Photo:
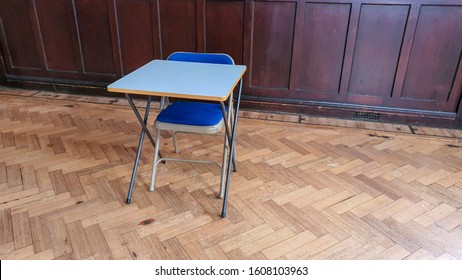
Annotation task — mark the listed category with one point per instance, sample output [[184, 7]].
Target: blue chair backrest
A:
[[217, 58]]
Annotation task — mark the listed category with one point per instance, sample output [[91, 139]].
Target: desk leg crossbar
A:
[[144, 131]]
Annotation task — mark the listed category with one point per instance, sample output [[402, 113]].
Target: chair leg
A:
[[156, 161], [174, 143]]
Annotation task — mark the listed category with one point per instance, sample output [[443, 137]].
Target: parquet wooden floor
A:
[[302, 190]]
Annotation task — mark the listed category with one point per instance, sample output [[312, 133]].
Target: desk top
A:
[[202, 81]]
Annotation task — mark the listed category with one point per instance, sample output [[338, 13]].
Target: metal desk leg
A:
[[228, 132], [140, 143], [231, 151]]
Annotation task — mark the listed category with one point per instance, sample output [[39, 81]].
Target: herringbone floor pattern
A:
[[302, 191]]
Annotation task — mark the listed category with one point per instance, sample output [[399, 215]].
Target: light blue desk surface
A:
[[202, 81]]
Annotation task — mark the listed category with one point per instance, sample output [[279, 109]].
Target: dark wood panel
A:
[[135, 25], [323, 46], [436, 57], [58, 34], [178, 26], [95, 36], [224, 28], [272, 41], [3, 72], [19, 41], [378, 43]]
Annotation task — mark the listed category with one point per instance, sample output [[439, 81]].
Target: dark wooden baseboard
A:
[[323, 109], [365, 113]]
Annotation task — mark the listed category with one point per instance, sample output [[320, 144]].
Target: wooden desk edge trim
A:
[[195, 97]]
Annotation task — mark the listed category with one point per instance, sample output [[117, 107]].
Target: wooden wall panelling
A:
[[458, 86], [18, 38], [178, 24], [98, 46], [224, 28], [115, 38], [59, 38], [271, 46], [138, 32], [349, 50], [323, 45], [247, 45], [378, 44], [405, 51], [433, 73], [3, 80]]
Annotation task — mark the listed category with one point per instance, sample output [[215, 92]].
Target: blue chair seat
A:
[[191, 117], [191, 113]]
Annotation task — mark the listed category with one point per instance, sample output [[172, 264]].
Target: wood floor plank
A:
[[420, 254], [59, 238], [266, 241], [434, 215], [175, 250], [40, 234], [396, 252], [18, 254], [313, 247], [186, 226], [195, 251], [339, 251], [6, 234], [6, 248], [215, 253], [451, 221], [78, 240], [45, 255], [13, 174], [21, 230], [117, 244], [289, 245], [97, 243], [136, 246], [244, 238], [155, 246]]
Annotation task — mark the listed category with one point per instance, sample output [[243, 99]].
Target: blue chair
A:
[[194, 117]]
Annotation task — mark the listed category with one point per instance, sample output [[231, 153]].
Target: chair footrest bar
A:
[[188, 160]]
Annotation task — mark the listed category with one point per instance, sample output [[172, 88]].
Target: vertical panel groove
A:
[[342, 68], [350, 48], [40, 44], [159, 25], [116, 23], [454, 80], [74, 9]]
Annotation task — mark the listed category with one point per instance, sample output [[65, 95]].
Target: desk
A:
[[189, 80]]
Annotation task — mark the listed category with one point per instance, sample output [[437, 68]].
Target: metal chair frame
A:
[[227, 112]]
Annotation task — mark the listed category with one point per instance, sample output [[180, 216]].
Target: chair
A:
[[194, 117]]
